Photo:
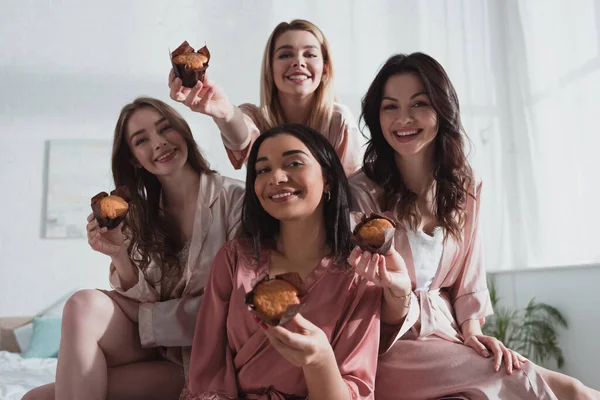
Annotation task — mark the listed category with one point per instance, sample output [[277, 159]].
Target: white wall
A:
[[574, 291]]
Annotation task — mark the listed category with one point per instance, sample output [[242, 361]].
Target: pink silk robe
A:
[[231, 355], [342, 133], [428, 359], [171, 323]]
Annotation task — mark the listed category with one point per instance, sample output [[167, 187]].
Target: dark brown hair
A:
[[152, 233], [452, 172], [260, 225]]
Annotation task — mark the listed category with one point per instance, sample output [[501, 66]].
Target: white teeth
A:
[[281, 195], [298, 77], [406, 133], [165, 156]]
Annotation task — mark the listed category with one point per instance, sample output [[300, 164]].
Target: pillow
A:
[[23, 335], [45, 339]]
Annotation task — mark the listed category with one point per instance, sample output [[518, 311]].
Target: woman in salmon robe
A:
[[416, 168], [296, 210]]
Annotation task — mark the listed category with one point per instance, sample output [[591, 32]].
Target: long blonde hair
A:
[[322, 105]]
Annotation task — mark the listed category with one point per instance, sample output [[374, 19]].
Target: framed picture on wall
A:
[[75, 171]]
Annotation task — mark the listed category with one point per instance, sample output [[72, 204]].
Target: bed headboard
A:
[[7, 336]]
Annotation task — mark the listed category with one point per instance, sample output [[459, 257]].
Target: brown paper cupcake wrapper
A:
[[291, 277], [105, 222], [189, 76], [359, 219]]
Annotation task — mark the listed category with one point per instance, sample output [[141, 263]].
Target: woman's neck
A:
[[180, 190], [417, 172], [303, 240], [296, 110]]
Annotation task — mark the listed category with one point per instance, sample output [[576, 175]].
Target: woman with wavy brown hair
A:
[[134, 342], [435, 291]]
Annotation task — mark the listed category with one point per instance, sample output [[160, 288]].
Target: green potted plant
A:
[[531, 331]]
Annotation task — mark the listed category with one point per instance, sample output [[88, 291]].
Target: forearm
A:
[[128, 274], [324, 381], [234, 129], [395, 307], [471, 327]]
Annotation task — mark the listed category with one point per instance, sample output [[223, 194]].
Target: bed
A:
[[18, 375]]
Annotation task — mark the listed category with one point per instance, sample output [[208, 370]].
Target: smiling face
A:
[[289, 180], [408, 121], [155, 145], [298, 65]]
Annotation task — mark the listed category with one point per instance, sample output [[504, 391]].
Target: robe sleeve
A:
[[239, 156], [356, 348], [211, 367], [469, 294], [143, 291], [346, 139]]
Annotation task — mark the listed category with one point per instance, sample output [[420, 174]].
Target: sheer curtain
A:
[[544, 166]]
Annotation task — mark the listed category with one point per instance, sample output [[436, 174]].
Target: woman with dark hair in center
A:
[[296, 210]]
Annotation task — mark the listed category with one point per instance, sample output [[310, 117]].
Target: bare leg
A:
[[566, 387], [96, 335], [45, 392], [161, 380]]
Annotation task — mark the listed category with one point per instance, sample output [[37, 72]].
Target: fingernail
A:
[[263, 325], [374, 257], [256, 319], [496, 367], [486, 353]]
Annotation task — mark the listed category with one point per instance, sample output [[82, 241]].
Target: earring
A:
[[328, 194]]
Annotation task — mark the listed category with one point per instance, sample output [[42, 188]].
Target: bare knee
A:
[[577, 390], [567, 387], [45, 392], [86, 306]]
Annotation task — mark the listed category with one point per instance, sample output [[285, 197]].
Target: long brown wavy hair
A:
[[152, 233], [452, 173]]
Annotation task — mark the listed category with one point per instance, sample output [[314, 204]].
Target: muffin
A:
[[110, 209], [276, 301], [189, 65], [273, 297], [373, 231]]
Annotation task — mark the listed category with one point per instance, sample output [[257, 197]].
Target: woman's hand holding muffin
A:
[[205, 97], [106, 241], [304, 344], [388, 271]]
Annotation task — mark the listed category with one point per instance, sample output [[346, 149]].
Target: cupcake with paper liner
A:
[[275, 301], [110, 209], [190, 65], [373, 232]]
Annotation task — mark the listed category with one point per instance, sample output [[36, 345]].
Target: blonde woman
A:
[[296, 86]]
